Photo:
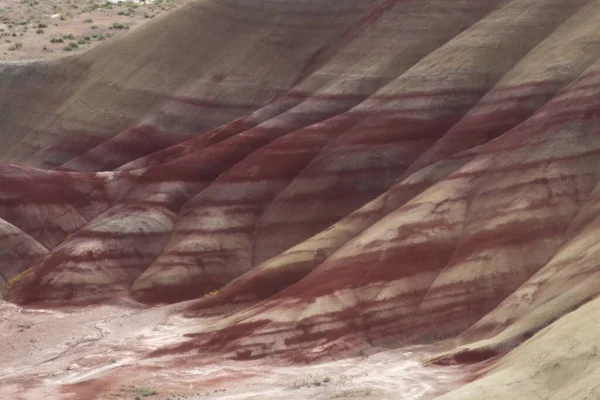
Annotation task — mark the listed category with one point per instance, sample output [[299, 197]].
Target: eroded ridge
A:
[[319, 178]]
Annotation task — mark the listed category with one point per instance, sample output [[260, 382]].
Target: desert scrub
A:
[[39, 31], [145, 392], [72, 46], [56, 40], [88, 21], [16, 46], [118, 25]]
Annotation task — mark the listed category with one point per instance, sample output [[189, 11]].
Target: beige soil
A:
[[34, 29]]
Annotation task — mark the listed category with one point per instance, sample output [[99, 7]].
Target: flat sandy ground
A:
[[102, 353], [34, 29]]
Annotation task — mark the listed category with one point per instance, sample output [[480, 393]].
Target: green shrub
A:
[[118, 25], [72, 46], [16, 46], [146, 391]]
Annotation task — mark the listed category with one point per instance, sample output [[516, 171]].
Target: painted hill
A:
[[344, 174]]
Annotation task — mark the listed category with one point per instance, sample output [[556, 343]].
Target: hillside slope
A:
[[345, 174]]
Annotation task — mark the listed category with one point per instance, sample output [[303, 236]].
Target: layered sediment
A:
[[342, 173]]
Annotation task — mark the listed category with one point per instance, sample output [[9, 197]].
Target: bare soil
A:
[[36, 29], [103, 353]]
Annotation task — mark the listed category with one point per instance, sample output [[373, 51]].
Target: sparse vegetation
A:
[[312, 383], [118, 25], [146, 391], [12, 281], [137, 392], [212, 293], [71, 46], [33, 22], [16, 46]]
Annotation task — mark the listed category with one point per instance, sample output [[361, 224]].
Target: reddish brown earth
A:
[[239, 199]]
